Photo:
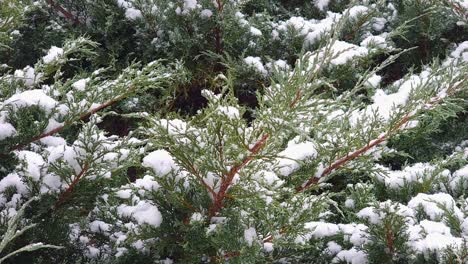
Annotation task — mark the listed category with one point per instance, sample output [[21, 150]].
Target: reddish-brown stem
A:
[[68, 191], [297, 97], [64, 12], [342, 161], [60, 128], [390, 238], [226, 181], [458, 8], [217, 29]]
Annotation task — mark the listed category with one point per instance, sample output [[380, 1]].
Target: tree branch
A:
[[60, 128], [67, 192], [344, 160], [226, 181], [64, 12]]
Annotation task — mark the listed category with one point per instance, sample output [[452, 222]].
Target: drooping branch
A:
[[81, 117], [227, 180], [64, 12], [357, 153]]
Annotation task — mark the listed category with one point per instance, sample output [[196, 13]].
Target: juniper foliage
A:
[[210, 131]]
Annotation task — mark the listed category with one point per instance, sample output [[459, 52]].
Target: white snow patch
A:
[[160, 161], [53, 54]]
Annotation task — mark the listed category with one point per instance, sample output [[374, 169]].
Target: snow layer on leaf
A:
[[321, 4], [288, 161], [32, 97], [250, 235], [34, 163], [415, 173], [256, 63], [431, 203], [53, 54], [6, 130], [352, 256], [229, 111], [13, 180], [160, 161], [143, 212], [342, 52]]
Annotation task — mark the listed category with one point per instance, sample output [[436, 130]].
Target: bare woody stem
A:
[[227, 180], [64, 12], [68, 191]]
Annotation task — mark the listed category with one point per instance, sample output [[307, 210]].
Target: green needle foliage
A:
[[216, 131]]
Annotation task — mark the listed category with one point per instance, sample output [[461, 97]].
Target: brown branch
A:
[[390, 238], [342, 161], [64, 12], [217, 29], [60, 128], [226, 181], [68, 191]]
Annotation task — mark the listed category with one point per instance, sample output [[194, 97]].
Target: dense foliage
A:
[[235, 131]]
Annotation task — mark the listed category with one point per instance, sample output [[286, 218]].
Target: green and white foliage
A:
[[210, 131]]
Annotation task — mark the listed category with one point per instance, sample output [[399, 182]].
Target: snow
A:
[[53, 141], [341, 52], [99, 226], [321, 4], [374, 41], [124, 194], [375, 215], [34, 163], [147, 183], [14, 180], [131, 13], [28, 75], [256, 63], [356, 11], [6, 130], [459, 179], [160, 161], [461, 51], [321, 229], [352, 256], [229, 111], [206, 13], [333, 248], [417, 172], [435, 242], [80, 85], [374, 80], [255, 31], [278, 64], [430, 204], [53, 54], [288, 158], [32, 97], [51, 182], [268, 247], [250, 235], [143, 212]]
